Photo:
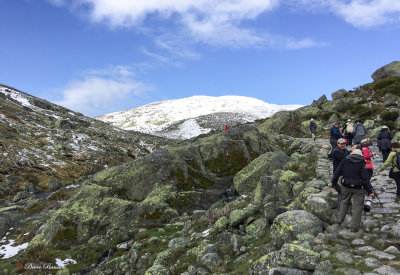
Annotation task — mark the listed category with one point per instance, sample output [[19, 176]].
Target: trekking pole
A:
[[376, 195]]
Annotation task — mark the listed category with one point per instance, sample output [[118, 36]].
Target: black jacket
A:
[[353, 170], [384, 140], [338, 155]]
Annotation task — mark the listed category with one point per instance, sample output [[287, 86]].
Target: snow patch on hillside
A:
[[157, 117]]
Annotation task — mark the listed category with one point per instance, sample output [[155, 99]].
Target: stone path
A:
[[376, 248]]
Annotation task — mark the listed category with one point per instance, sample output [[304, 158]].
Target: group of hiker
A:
[[352, 165]]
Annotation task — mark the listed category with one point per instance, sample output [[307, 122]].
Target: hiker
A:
[[385, 142], [394, 171], [226, 127], [338, 154], [354, 184], [335, 135], [348, 132], [313, 129], [359, 132], [368, 154]]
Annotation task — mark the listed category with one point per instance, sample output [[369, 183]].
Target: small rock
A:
[[392, 250], [357, 242], [372, 262], [344, 257], [178, 243], [237, 242], [321, 239], [53, 185], [381, 255], [237, 217], [323, 268], [348, 271], [387, 270], [210, 259], [124, 246]]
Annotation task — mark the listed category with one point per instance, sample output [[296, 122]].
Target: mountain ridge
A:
[[171, 118]]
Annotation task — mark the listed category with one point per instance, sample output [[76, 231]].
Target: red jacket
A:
[[367, 157]]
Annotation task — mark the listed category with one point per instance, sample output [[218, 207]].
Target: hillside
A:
[[189, 117], [255, 199]]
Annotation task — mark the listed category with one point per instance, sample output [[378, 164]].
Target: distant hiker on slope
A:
[[313, 129], [226, 128], [385, 142]]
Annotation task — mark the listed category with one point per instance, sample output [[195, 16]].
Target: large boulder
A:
[[319, 102], [152, 190], [339, 94], [288, 225], [247, 179], [389, 70], [341, 105]]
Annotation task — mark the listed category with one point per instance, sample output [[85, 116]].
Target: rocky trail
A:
[[375, 248]]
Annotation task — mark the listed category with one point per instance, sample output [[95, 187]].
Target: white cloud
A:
[[363, 13], [103, 91], [211, 22], [359, 13]]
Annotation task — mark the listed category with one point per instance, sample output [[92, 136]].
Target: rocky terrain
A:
[[255, 199]]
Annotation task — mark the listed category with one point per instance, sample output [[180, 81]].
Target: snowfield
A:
[[158, 118]]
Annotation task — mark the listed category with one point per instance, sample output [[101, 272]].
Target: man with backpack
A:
[[385, 142], [359, 132], [393, 160], [313, 129], [354, 184]]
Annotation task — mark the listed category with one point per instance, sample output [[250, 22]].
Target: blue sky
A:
[[102, 56]]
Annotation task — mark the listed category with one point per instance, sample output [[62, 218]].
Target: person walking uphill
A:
[[335, 135], [368, 155], [348, 132], [359, 132], [338, 154], [354, 184], [313, 129], [385, 142], [394, 171]]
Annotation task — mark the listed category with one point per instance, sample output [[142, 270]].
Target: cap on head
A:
[[364, 142], [341, 141], [312, 119], [356, 152], [385, 127]]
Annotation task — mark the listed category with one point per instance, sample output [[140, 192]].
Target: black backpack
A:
[[398, 160]]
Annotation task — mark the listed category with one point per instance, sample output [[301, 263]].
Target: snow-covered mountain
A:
[[189, 117]]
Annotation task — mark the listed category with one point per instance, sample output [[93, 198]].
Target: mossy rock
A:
[[154, 189], [87, 214], [389, 70], [339, 94], [319, 207], [288, 225], [299, 257], [341, 105], [247, 179], [308, 112]]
